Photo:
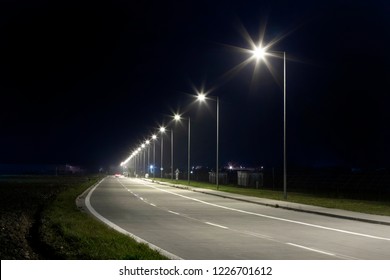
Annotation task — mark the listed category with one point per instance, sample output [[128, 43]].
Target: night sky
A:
[[84, 82]]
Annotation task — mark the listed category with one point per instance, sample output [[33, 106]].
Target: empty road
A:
[[192, 225]]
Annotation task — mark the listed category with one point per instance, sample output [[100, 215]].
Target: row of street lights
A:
[[258, 53], [201, 97]]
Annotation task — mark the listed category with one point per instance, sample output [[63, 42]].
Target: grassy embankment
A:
[[75, 235], [40, 220], [362, 206]]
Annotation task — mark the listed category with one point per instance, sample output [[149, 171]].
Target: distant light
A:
[[162, 129], [177, 117], [154, 136], [230, 167], [143, 146], [139, 149], [147, 142]]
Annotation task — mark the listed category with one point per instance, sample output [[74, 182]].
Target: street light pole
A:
[[154, 137], [217, 159], [284, 129], [260, 53], [144, 161], [147, 142], [177, 117], [171, 153], [162, 130], [202, 97], [140, 160], [189, 149]]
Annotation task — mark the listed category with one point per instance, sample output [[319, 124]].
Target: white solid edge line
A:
[[121, 230]]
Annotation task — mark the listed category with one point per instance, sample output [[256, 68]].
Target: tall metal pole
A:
[[284, 130], [140, 162], [148, 166], [171, 154], [154, 157], [189, 148], [162, 154], [217, 169], [136, 164], [143, 165]]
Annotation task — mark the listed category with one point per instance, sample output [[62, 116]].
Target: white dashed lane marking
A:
[[215, 225]]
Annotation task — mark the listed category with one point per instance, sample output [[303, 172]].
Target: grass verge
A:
[[362, 206], [73, 234]]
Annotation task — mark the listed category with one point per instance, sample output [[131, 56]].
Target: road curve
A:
[[191, 225]]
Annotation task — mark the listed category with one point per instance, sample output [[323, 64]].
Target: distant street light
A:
[[162, 131], [154, 138], [202, 98], [178, 117], [139, 160], [147, 143], [144, 161]]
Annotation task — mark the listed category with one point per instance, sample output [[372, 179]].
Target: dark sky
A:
[[83, 82]]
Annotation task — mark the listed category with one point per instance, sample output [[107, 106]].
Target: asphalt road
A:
[[193, 225]]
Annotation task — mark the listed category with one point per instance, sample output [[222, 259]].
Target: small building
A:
[[249, 179]]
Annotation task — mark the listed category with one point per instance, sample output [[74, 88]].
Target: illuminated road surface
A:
[[194, 226]]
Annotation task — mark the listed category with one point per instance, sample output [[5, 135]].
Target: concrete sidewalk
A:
[[331, 212]]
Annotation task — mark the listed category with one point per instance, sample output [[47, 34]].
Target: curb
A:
[[80, 200]]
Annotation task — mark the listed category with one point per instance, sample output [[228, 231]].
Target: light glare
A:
[[201, 97], [259, 53]]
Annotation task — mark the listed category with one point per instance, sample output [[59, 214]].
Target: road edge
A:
[[83, 203]]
